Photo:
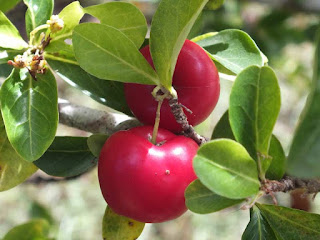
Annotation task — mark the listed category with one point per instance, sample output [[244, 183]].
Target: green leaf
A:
[[170, 27], [223, 128], [278, 165], [38, 12], [291, 223], [33, 230], [254, 108], [214, 4], [109, 93], [5, 70], [8, 54], [6, 5], [258, 227], [10, 162], [275, 163], [123, 16], [118, 227], [5, 56], [96, 142], [226, 168], [67, 157], [110, 55], [37, 210], [71, 16], [200, 199], [232, 48], [303, 159], [9, 35], [30, 112]]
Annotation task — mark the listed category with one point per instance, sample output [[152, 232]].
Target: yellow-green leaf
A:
[[9, 35], [116, 227], [13, 168]]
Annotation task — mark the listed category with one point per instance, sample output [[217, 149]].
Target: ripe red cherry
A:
[[196, 81], [143, 181]]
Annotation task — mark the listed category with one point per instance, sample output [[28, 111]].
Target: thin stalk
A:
[[34, 31], [156, 123]]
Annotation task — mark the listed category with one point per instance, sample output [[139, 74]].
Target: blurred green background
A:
[[283, 29]]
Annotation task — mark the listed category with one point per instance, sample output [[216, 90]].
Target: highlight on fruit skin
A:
[[143, 181], [196, 81]]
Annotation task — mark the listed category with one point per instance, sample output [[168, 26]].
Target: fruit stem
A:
[[34, 31], [156, 123]]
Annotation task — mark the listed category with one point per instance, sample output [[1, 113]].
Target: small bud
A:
[[37, 65], [18, 62], [42, 64], [56, 23]]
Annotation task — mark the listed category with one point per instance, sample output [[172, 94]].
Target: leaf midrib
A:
[[29, 114], [55, 58], [201, 196], [257, 113], [290, 221], [228, 169], [155, 81], [32, 14]]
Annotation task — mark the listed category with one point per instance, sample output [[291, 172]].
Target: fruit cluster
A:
[[146, 181]]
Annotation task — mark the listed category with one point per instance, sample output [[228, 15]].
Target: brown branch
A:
[[181, 118], [291, 183], [92, 120]]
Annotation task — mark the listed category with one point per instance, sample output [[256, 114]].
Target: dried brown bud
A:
[[37, 65], [18, 62]]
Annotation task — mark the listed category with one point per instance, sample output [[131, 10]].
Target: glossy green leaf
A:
[[276, 154], [9, 35], [6, 5], [303, 159], [109, 93], [67, 157], [278, 164], [223, 128], [170, 27], [110, 55], [226, 168], [30, 112], [5, 56], [124, 16], [13, 168], [38, 12], [71, 16], [60, 48], [258, 227], [200, 199], [8, 54], [290, 223], [5, 70], [116, 227], [33, 230], [232, 48], [96, 142], [254, 108]]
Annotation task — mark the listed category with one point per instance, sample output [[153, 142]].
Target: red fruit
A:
[[196, 81], [143, 181]]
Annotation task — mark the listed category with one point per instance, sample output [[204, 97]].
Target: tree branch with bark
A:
[[97, 121], [289, 183], [92, 120]]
